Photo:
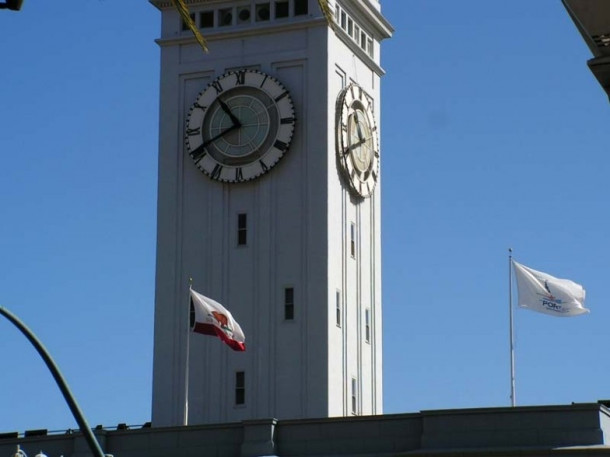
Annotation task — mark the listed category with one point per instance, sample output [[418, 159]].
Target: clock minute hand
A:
[[221, 134], [227, 110]]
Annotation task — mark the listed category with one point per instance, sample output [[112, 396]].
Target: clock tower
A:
[[269, 199]]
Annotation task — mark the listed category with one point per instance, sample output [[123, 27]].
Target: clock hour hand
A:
[[227, 110], [358, 127], [221, 134]]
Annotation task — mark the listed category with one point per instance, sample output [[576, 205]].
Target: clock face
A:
[[357, 140], [240, 126]]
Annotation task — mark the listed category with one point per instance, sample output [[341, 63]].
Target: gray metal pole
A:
[[94, 446], [513, 400]]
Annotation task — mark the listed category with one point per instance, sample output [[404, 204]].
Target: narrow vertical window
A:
[[300, 7], [242, 229], [352, 240], [338, 308], [367, 325], [281, 9], [289, 303], [354, 396], [240, 388], [225, 17], [206, 19]]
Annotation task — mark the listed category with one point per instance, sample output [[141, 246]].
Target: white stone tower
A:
[[269, 198]]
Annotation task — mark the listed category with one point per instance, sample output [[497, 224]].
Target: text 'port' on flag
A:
[[209, 317], [547, 294]]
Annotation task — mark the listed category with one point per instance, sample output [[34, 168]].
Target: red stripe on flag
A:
[[209, 329]]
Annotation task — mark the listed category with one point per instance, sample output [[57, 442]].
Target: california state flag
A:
[[211, 318]]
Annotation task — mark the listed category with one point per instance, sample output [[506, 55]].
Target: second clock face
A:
[[240, 126], [357, 140]]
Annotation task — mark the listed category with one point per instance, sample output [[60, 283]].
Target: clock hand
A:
[[221, 134], [227, 110], [358, 128]]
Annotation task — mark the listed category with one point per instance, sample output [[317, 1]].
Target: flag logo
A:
[[547, 294]]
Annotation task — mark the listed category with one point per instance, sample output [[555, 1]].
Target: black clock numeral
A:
[[216, 85], [198, 106], [216, 171], [287, 120], [239, 176], [280, 145], [263, 166], [282, 95], [199, 153], [264, 81], [193, 132], [240, 77]]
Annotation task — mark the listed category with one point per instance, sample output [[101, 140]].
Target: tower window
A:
[[225, 17], [242, 229], [289, 303], [243, 15], [240, 388], [338, 308], [352, 240], [354, 396], [281, 9], [367, 325], [206, 19], [300, 7], [262, 12]]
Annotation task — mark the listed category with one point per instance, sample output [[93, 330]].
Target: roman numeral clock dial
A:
[[240, 126], [357, 140]]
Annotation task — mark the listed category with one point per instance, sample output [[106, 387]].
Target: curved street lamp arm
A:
[[94, 446]]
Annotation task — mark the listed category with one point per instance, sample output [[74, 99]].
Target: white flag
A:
[[211, 318], [549, 295]]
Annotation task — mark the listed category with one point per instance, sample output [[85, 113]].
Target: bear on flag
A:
[[211, 318]]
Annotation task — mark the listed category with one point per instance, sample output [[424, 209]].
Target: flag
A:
[[549, 295], [211, 318]]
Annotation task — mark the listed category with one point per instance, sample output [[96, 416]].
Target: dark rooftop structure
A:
[[592, 18], [570, 430]]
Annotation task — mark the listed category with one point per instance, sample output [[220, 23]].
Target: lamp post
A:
[[94, 446]]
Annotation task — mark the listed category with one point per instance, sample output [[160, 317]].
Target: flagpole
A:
[[187, 362], [512, 336]]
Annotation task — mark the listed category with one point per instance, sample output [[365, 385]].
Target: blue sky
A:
[[494, 135]]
